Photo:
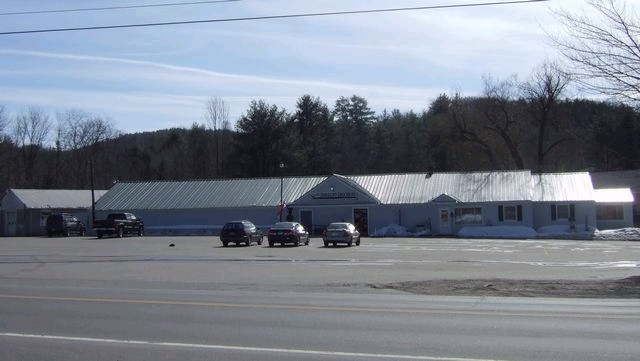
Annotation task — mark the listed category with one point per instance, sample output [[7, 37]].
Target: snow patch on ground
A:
[[498, 232], [579, 231], [394, 230]]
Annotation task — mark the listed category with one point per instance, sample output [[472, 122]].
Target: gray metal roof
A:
[[56, 198], [465, 187], [412, 188], [555, 187], [225, 193]]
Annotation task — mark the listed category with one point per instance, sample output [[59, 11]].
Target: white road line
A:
[[240, 348]]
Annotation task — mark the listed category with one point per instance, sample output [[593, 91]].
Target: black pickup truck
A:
[[119, 224]]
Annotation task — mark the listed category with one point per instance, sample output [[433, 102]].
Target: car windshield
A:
[[232, 226]]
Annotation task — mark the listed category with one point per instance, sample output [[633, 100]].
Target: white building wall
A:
[[627, 220], [585, 214]]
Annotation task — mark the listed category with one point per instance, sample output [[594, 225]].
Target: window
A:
[[510, 213], [471, 215], [561, 212], [609, 212]]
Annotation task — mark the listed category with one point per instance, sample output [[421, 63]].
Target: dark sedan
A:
[[288, 233], [241, 231], [341, 232]]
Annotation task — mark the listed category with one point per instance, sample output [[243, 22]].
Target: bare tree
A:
[[30, 133], [602, 49], [6, 151], [81, 133], [4, 119], [217, 116], [542, 93], [466, 129], [499, 108]]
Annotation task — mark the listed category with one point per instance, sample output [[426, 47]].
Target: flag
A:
[[281, 208]]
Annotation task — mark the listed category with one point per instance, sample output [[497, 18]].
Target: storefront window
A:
[[470, 215], [609, 212]]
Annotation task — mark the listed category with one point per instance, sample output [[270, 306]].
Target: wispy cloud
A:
[[153, 77]]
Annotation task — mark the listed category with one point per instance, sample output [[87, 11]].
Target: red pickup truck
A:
[[119, 224]]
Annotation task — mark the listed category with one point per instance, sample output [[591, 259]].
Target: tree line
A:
[[512, 125]]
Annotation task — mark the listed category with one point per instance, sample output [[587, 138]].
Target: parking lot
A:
[[203, 262]]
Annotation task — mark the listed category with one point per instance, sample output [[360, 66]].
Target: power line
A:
[[116, 7], [270, 17]]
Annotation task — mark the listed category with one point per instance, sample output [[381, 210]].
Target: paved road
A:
[[138, 299]]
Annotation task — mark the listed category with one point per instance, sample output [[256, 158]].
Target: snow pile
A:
[[498, 232], [522, 232], [394, 230], [623, 234], [580, 231]]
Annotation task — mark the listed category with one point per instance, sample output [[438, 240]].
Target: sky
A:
[[160, 77]]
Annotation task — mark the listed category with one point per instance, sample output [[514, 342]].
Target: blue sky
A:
[[152, 78]]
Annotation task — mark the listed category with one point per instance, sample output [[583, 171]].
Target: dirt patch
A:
[[622, 288]]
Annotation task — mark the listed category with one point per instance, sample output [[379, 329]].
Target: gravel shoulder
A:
[[628, 287]]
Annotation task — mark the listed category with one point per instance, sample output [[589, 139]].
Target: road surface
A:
[[138, 299]]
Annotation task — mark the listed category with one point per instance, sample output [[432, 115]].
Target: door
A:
[[12, 217], [361, 220], [306, 219], [445, 221]]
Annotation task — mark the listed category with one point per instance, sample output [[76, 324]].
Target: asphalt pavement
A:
[[136, 298]]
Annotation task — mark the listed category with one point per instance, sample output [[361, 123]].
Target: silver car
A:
[[341, 232]]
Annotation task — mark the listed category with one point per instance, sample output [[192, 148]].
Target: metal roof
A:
[[613, 195], [411, 188], [56, 198], [558, 187], [464, 187], [225, 193]]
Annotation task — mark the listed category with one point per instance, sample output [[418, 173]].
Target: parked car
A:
[[64, 224], [240, 232], [288, 232], [119, 224], [341, 232]]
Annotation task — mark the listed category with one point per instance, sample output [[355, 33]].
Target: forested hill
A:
[[453, 134]]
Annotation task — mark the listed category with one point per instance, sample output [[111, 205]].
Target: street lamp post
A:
[[281, 189]]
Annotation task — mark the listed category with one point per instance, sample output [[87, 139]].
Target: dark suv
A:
[[240, 232], [64, 224]]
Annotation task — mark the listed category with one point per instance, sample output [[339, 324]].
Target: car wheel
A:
[[225, 244], [306, 243], [358, 241], [326, 244], [140, 231]]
